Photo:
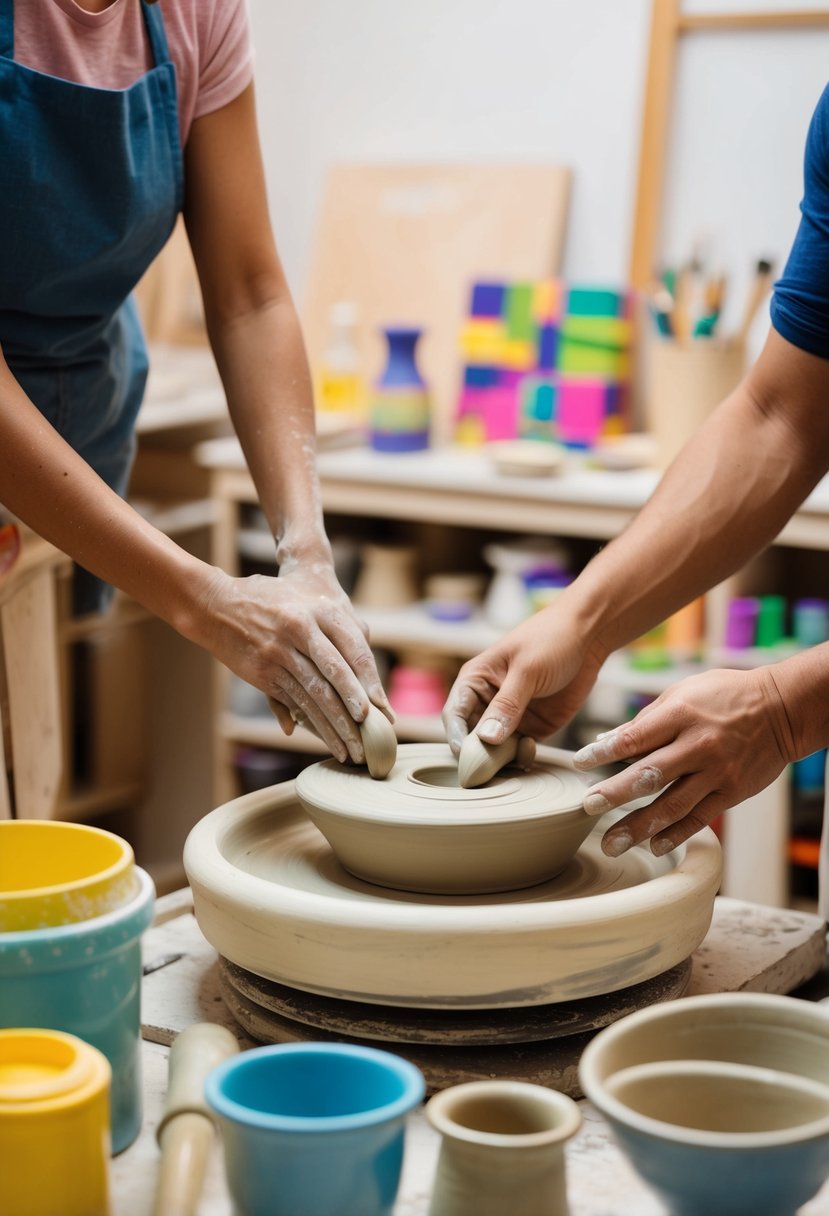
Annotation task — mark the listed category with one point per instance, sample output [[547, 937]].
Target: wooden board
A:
[[28, 623], [405, 242]]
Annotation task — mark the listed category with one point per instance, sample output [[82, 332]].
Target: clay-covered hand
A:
[[532, 680], [709, 742], [297, 639]]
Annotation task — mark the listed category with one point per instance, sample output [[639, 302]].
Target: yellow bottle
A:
[[339, 382]]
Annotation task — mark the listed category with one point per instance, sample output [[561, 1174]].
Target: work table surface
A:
[[748, 947]]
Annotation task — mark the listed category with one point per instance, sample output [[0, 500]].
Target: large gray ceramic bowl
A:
[[721, 1102]]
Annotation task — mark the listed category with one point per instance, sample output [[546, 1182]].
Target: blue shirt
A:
[[800, 304]]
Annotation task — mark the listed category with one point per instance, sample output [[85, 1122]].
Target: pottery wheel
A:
[[542, 1046], [270, 896], [309, 1012]]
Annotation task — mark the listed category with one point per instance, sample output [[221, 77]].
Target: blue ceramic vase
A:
[[399, 418]]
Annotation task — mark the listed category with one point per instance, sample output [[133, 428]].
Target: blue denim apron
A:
[[91, 182]]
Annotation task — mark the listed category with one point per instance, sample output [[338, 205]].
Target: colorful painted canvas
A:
[[547, 360]]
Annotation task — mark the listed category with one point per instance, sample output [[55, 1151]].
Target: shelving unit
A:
[[459, 488]]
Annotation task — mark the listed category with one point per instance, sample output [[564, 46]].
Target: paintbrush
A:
[[713, 295], [759, 290], [681, 312]]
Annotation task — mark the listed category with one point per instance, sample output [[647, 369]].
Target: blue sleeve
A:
[[800, 304]]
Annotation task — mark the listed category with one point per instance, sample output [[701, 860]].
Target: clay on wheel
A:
[[379, 743]]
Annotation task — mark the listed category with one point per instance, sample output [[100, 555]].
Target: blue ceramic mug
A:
[[314, 1129]]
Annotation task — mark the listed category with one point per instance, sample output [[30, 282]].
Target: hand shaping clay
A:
[[480, 761], [379, 743]]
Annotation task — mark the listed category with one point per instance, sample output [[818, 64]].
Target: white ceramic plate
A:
[[270, 896], [526, 457]]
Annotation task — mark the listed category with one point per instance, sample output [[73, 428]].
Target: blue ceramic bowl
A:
[[721, 1102], [314, 1128], [85, 979]]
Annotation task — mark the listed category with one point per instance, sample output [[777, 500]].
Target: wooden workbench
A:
[[748, 947]]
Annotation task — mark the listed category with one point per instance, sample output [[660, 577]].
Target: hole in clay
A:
[[504, 1117], [445, 776]]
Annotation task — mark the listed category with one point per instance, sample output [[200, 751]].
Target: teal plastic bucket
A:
[[85, 979]]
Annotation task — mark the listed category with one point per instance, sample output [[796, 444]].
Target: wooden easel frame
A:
[[668, 25]]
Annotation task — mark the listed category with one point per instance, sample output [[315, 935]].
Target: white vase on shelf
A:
[[507, 603]]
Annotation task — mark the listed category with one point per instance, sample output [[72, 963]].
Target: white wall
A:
[[541, 80]]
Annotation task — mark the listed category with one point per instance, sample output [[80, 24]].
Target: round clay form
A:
[[271, 897], [420, 831]]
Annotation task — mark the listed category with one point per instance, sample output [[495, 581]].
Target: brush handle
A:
[[186, 1131], [760, 287]]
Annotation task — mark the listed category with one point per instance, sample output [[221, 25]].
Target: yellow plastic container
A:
[[54, 1125], [60, 873]]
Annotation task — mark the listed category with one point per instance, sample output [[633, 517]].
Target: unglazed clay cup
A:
[[420, 831], [502, 1149], [315, 1129], [54, 1125], [85, 979], [721, 1102], [55, 873]]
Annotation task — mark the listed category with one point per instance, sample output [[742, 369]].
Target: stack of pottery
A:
[[73, 906], [453, 597]]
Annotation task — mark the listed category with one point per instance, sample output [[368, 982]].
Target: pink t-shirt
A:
[[209, 43]]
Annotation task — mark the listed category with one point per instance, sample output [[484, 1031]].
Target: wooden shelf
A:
[[460, 486], [86, 804]]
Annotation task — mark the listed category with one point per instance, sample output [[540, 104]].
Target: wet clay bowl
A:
[[721, 1102], [419, 831], [60, 873], [270, 896]]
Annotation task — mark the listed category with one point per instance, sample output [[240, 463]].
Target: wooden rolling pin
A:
[[186, 1130]]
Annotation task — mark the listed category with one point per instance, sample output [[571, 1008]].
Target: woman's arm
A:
[[295, 636], [325, 667]]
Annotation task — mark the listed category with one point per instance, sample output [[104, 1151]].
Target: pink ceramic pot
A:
[[418, 691]]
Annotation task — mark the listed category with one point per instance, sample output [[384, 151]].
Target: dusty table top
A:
[[748, 947]]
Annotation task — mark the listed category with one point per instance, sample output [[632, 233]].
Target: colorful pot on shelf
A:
[[417, 691], [399, 416]]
